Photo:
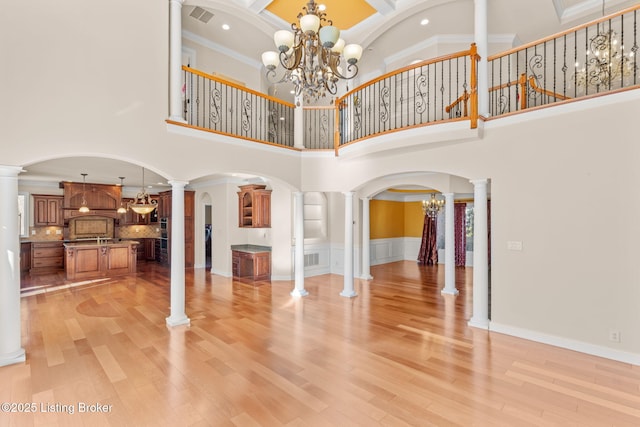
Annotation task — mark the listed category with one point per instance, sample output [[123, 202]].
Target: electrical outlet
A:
[[614, 335], [58, 231], [48, 232]]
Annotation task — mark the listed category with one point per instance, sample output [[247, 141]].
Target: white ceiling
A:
[[395, 27]]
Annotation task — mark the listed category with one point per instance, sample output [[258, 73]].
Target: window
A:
[[23, 211]]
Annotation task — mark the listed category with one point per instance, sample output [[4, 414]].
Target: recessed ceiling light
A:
[[225, 26], [425, 21]]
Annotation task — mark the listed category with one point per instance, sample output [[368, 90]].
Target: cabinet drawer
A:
[[48, 252], [47, 262]]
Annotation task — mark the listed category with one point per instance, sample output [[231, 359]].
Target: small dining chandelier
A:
[[121, 209], [143, 203], [432, 206], [83, 206], [311, 54]]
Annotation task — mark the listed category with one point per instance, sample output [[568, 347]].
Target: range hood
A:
[[103, 200]]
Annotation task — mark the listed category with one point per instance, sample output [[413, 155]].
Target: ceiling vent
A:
[[201, 15]]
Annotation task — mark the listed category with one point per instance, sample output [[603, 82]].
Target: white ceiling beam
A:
[[384, 7]]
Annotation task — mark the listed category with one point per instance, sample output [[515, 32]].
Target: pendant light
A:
[[143, 203], [83, 207], [121, 209]]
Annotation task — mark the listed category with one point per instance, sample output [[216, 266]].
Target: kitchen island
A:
[[89, 260]]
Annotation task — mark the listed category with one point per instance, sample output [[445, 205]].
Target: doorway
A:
[[208, 240]]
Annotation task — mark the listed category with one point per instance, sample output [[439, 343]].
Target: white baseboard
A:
[[582, 347]]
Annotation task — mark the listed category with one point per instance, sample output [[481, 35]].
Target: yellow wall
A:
[[391, 219]]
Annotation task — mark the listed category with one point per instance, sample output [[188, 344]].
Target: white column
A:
[[299, 290], [449, 246], [298, 123], [480, 317], [10, 337], [366, 239], [175, 60], [348, 290], [178, 316], [482, 43]]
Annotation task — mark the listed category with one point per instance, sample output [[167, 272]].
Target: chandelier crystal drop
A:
[[311, 55], [143, 203], [432, 206]]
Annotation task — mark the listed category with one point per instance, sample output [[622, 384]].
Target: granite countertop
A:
[[254, 249], [72, 244]]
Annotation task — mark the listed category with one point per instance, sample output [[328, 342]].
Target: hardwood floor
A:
[[398, 354]]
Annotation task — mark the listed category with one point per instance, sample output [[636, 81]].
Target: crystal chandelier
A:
[[143, 203], [606, 61], [432, 206], [311, 54]]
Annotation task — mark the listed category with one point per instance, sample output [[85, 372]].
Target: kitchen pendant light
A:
[[121, 209], [83, 207], [143, 203]]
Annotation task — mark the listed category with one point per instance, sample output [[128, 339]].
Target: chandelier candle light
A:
[[311, 54], [143, 203], [432, 206]]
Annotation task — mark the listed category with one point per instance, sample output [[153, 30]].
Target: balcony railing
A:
[[434, 91], [588, 60], [223, 107]]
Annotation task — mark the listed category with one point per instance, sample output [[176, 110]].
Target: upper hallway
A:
[[81, 89]]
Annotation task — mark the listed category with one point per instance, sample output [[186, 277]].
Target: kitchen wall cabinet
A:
[[254, 206], [47, 210]]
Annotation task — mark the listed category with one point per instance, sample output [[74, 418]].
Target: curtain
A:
[[460, 231], [428, 254]]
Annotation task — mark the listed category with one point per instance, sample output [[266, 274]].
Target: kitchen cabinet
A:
[[25, 257], [47, 256], [47, 210], [165, 200], [149, 249], [254, 206], [251, 262]]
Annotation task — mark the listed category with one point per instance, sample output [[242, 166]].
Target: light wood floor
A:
[[398, 354]]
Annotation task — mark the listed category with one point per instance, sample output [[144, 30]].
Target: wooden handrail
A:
[[562, 33], [464, 97], [236, 86], [536, 88]]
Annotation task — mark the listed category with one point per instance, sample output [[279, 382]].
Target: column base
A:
[[13, 358], [366, 277], [453, 291], [180, 321], [348, 294], [299, 293], [480, 324]]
